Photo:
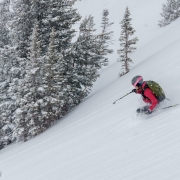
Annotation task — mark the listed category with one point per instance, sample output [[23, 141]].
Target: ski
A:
[[157, 111], [169, 106]]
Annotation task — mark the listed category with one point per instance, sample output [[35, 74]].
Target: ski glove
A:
[[134, 90]]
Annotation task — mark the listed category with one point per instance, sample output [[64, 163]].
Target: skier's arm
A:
[[148, 93]]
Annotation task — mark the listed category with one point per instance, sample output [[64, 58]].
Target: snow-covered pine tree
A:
[[21, 26], [70, 86], [59, 79], [7, 106], [58, 14], [5, 76], [126, 42], [52, 79], [105, 38], [45, 90], [48, 103], [87, 59], [176, 10], [178, 5], [61, 16], [170, 12], [4, 17], [16, 51], [28, 117]]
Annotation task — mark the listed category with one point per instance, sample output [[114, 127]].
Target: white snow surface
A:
[[100, 140]]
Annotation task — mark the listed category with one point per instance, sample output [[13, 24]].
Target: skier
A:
[[151, 93]]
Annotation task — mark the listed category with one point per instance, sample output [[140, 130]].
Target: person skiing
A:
[[151, 93]]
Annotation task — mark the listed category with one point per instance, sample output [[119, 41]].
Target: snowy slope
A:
[[102, 141]]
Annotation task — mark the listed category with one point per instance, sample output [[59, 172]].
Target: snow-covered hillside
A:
[[103, 141]]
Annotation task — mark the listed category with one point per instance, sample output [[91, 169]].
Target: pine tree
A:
[[176, 10], [28, 117], [61, 16], [52, 80], [58, 14], [126, 42], [87, 59], [21, 26], [105, 38], [45, 91], [19, 34], [4, 17], [39, 105], [170, 12], [7, 106]]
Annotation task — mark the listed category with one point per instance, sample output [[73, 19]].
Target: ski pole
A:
[[170, 106], [122, 97]]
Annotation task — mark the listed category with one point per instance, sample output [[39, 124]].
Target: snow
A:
[[34, 70], [41, 89], [19, 111], [102, 141]]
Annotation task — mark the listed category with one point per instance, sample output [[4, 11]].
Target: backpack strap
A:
[[144, 86]]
